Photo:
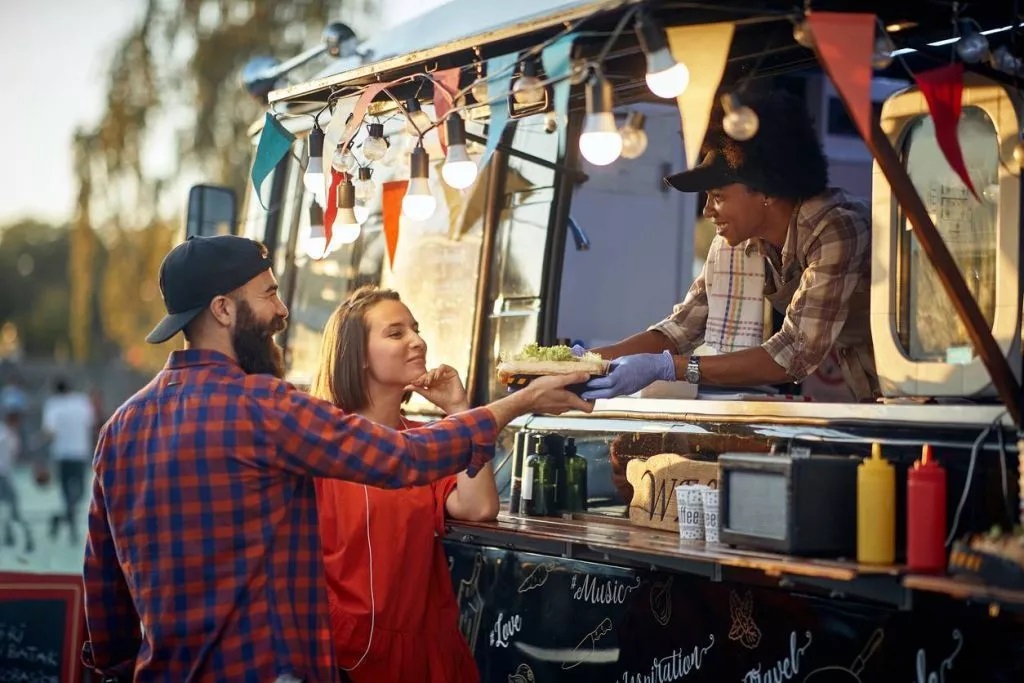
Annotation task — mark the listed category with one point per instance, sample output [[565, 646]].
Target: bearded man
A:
[[203, 560]]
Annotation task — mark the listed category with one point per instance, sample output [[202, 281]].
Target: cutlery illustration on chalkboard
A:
[[471, 603], [742, 627], [842, 674], [523, 674], [537, 578], [589, 642]]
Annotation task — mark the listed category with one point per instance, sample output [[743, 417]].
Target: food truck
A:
[[553, 235]]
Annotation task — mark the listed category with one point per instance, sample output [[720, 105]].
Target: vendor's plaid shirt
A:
[[203, 524], [828, 249]]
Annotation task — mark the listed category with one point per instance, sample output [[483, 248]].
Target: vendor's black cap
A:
[[713, 171], [199, 269]]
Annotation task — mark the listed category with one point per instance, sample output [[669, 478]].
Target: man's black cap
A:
[[713, 171], [199, 269]]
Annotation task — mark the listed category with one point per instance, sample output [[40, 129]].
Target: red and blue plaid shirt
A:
[[203, 524]]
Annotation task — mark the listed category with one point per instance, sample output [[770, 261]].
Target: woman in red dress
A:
[[393, 612]]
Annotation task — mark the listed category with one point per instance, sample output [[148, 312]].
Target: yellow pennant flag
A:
[[704, 49]]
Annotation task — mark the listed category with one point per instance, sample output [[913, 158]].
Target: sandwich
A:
[[535, 361]]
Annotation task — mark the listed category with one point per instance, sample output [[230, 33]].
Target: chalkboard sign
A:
[[41, 628]]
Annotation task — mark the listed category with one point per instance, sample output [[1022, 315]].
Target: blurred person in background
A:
[[10, 448], [393, 611], [69, 426]]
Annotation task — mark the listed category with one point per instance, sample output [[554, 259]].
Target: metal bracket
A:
[[884, 589], [709, 570]]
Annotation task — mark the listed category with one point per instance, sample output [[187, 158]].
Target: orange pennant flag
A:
[[846, 44], [391, 213], [704, 50]]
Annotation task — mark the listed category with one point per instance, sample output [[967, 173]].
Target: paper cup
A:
[[691, 512], [710, 499]]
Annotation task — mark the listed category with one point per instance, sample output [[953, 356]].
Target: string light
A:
[[459, 171], [973, 45], [600, 142], [346, 225], [528, 88], [740, 121], [634, 138], [665, 77], [316, 243], [884, 47], [417, 122], [419, 203], [365, 187], [479, 89], [313, 177], [803, 35], [375, 146], [343, 161]]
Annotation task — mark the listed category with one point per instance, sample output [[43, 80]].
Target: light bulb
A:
[[343, 160], [634, 138], [882, 57], [375, 146], [665, 77], [803, 35], [972, 46], [600, 142], [528, 89], [313, 177], [316, 243], [346, 225], [345, 233], [362, 212], [365, 187], [740, 121], [479, 91], [417, 122], [418, 204], [459, 171]]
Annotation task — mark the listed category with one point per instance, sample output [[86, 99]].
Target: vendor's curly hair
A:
[[785, 158]]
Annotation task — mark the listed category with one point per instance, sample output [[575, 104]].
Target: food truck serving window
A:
[[928, 327]]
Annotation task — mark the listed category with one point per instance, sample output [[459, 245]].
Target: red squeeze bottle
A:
[[926, 515]]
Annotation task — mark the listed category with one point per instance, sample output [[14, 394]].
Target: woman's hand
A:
[[442, 387]]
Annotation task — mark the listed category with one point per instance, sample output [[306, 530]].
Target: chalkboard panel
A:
[[41, 628]]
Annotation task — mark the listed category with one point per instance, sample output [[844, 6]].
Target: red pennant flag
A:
[[846, 44], [391, 212], [943, 89], [446, 84], [331, 210]]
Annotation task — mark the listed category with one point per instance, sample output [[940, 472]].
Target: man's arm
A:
[[748, 367], [314, 437], [111, 619], [680, 332]]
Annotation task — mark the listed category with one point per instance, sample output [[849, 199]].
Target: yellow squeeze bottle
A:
[[876, 509]]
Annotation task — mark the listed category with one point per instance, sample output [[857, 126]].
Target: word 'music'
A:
[[601, 592], [676, 666]]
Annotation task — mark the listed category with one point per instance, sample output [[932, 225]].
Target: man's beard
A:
[[253, 341]]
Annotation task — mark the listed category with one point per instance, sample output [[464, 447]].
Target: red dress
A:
[[416, 636]]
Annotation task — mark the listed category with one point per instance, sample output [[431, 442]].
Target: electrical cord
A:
[[975, 449]]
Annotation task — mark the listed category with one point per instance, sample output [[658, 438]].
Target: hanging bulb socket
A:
[[313, 176], [316, 142], [600, 140], [365, 173], [418, 123], [316, 217], [455, 130], [419, 163], [665, 76]]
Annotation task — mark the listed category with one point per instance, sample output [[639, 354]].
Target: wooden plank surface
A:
[[964, 589]]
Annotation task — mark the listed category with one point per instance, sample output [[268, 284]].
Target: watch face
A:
[[693, 374]]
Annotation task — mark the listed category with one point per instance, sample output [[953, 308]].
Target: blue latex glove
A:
[[630, 374]]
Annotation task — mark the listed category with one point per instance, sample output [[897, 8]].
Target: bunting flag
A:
[[499, 77], [943, 90], [275, 141], [845, 43], [704, 49], [446, 84], [557, 61], [359, 111], [391, 213], [331, 210]]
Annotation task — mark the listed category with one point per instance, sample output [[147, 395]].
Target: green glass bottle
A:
[[575, 478], [540, 469]]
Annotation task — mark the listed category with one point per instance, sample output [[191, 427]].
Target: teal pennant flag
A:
[[275, 141], [557, 61], [499, 78]]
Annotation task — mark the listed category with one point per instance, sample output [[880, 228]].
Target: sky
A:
[[57, 54]]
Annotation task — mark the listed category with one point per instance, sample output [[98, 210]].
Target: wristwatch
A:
[[693, 370]]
